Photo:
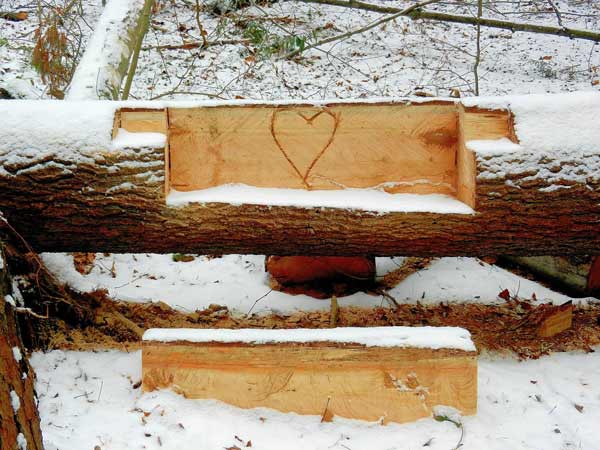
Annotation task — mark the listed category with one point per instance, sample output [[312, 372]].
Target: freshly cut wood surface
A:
[[352, 381], [556, 319], [409, 148]]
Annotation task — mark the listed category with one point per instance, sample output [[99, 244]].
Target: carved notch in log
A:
[[95, 197]]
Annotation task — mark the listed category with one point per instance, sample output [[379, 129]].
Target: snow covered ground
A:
[[238, 281], [88, 399], [395, 59]]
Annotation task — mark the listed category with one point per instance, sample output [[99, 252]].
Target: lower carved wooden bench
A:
[[396, 374]]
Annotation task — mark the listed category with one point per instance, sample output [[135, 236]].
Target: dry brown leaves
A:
[[84, 262], [494, 328]]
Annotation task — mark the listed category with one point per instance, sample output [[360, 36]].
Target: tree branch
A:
[[416, 14]]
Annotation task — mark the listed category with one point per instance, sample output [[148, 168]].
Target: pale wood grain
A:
[[352, 381]]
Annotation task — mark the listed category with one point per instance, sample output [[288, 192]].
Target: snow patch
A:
[[357, 199], [416, 337], [15, 401], [17, 354], [509, 415], [10, 300], [447, 412], [16, 292], [21, 441], [491, 147], [126, 139], [98, 68]]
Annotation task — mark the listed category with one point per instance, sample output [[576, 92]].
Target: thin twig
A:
[[557, 12], [198, 44], [572, 33], [200, 27], [32, 313], [375, 24], [258, 300]]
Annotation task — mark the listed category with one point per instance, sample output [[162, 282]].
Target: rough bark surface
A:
[[117, 204], [19, 420], [92, 208]]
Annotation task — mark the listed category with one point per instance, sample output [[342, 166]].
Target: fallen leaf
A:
[[505, 295]]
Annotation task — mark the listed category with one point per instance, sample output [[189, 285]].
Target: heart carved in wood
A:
[[303, 136]]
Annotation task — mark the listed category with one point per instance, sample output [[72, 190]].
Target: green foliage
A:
[[3, 42], [444, 418], [256, 33], [289, 44], [181, 257], [268, 44]]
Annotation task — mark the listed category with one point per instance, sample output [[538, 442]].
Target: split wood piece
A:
[[115, 201], [398, 383], [19, 419], [577, 274], [554, 319]]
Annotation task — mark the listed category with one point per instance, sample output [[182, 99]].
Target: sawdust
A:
[[495, 328]]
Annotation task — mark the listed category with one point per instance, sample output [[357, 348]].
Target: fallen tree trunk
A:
[[19, 419], [105, 63], [422, 14], [577, 274], [76, 191]]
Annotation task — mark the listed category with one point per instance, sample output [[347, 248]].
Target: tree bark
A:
[[56, 213], [19, 419]]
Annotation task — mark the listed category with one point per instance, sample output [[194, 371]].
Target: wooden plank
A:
[[347, 380], [407, 148]]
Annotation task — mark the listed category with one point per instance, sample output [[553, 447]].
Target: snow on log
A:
[[488, 176], [106, 59], [396, 373]]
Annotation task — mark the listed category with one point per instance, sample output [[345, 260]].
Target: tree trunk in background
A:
[[577, 274], [19, 419]]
